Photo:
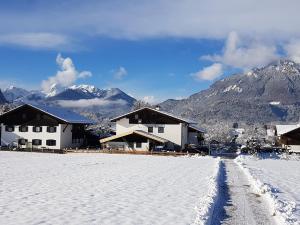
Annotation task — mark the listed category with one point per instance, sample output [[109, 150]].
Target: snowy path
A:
[[237, 203]]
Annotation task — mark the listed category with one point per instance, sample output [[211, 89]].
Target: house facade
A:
[[147, 128], [42, 127]]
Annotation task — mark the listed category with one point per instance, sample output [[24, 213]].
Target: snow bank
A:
[[207, 203], [269, 177], [106, 189]]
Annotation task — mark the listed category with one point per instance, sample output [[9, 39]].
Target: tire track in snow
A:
[[237, 204]]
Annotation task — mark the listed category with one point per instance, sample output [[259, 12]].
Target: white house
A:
[[146, 129], [42, 127]]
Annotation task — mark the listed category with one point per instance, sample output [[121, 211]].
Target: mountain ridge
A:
[[262, 95]]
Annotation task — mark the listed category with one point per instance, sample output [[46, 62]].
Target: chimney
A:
[[157, 107]]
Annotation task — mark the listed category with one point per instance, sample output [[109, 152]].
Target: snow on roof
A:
[[63, 114], [158, 111], [283, 129], [60, 113]]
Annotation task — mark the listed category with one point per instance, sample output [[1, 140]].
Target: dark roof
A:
[[65, 115], [199, 129], [158, 111]]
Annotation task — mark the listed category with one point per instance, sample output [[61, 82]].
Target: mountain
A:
[[2, 98], [12, 93], [263, 95], [85, 99]]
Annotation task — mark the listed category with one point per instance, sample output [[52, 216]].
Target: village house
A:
[[148, 129], [289, 137], [42, 127]]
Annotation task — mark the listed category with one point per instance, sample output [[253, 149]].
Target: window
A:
[[150, 129], [37, 129], [22, 141], [23, 128], [138, 145], [9, 128], [36, 142], [161, 129], [136, 116], [51, 142], [51, 129]]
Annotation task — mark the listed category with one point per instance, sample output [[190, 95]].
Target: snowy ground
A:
[[278, 178], [105, 189]]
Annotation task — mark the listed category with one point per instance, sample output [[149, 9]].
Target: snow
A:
[[282, 129], [105, 189], [63, 114], [274, 103], [233, 88], [278, 179]]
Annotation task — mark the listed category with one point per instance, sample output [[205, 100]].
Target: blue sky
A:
[[153, 50]]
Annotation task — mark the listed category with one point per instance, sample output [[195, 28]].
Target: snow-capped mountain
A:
[[82, 98], [263, 95], [78, 92], [12, 93], [2, 98]]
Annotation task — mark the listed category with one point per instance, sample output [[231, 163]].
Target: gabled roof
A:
[[284, 129], [158, 111], [65, 115], [138, 132]]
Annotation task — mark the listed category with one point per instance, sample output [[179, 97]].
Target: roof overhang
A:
[[137, 132]]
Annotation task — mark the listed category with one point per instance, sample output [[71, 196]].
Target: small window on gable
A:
[[136, 116], [24, 116], [161, 130], [150, 129], [51, 129], [9, 128]]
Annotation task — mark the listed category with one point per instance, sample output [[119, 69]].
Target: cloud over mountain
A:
[[66, 76]]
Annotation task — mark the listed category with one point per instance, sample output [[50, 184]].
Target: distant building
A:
[[33, 126], [271, 130], [289, 136], [147, 129]]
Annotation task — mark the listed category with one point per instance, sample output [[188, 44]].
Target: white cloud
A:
[[293, 50], [82, 103], [139, 19], [209, 73], [120, 73], [244, 55], [66, 76], [35, 40], [150, 99]]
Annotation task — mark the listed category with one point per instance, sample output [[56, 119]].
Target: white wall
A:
[[172, 132], [10, 137], [66, 137]]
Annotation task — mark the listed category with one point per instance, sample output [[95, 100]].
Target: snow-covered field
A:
[[105, 189], [278, 178]]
